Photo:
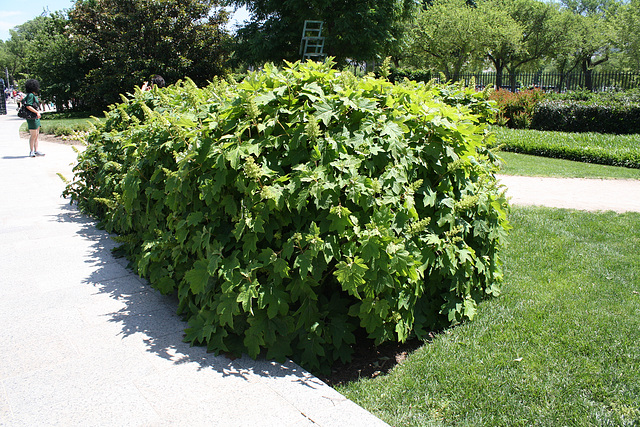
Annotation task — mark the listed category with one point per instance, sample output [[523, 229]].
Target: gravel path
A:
[[618, 195]]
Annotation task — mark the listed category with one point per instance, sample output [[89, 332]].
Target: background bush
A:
[[302, 208], [515, 110], [62, 126], [577, 111], [399, 74], [604, 116], [631, 96]]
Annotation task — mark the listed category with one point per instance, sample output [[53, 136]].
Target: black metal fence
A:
[[559, 82]]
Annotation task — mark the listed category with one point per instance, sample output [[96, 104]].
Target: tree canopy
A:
[[448, 34], [359, 31], [40, 49], [90, 54], [124, 42], [627, 32]]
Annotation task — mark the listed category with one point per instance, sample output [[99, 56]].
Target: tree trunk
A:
[[512, 80], [588, 81], [499, 66]]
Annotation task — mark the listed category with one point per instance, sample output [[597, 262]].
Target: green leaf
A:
[[304, 263], [254, 337], [198, 277], [280, 350], [227, 308], [265, 98], [341, 331], [275, 300], [325, 112], [248, 292], [351, 274], [165, 285], [195, 218], [233, 156], [281, 268], [392, 130], [470, 308]]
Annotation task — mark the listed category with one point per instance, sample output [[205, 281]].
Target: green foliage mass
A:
[[302, 207]]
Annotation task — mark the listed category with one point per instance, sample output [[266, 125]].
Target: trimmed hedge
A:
[[605, 149], [631, 96], [302, 207], [397, 75], [584, 116]]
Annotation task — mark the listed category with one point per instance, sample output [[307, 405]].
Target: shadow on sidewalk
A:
[[148, 319]]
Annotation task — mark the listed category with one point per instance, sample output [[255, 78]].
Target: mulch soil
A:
[[370, 361], [51, 138]]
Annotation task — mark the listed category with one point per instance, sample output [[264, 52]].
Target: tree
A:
[[505, 37], [54, 59], [14, 57], [7, 62], [591, 39], [627, 33], [5, 58], [589, 7], [360, 31], [124, 42], [447, 36], [40, 49], [545, 32]]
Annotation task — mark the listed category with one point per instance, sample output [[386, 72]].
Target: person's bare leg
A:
[[33, 139]]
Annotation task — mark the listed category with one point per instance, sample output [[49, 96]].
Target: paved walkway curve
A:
[[87, 343], [618, 195]]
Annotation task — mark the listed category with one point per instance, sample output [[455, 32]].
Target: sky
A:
[[16, 12]]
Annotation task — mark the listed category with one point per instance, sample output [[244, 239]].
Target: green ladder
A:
[[312, 44]]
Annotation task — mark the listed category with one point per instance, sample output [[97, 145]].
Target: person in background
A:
[[3, 98], [156, 80], [31, 102]]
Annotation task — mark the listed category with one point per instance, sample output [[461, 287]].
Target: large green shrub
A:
[[302, 206]]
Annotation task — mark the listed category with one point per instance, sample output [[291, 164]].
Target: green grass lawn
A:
[[528, 165], [59, 127], [560, 347]]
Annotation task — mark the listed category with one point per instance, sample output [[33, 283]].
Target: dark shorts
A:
[[33, 124]]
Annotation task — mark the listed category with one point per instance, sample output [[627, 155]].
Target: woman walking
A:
[[31, 102]]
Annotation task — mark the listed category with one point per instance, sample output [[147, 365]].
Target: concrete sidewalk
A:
[[618, 195], [86, 342]]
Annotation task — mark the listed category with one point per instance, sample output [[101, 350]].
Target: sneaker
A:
[[32, 153], [37, 153]]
